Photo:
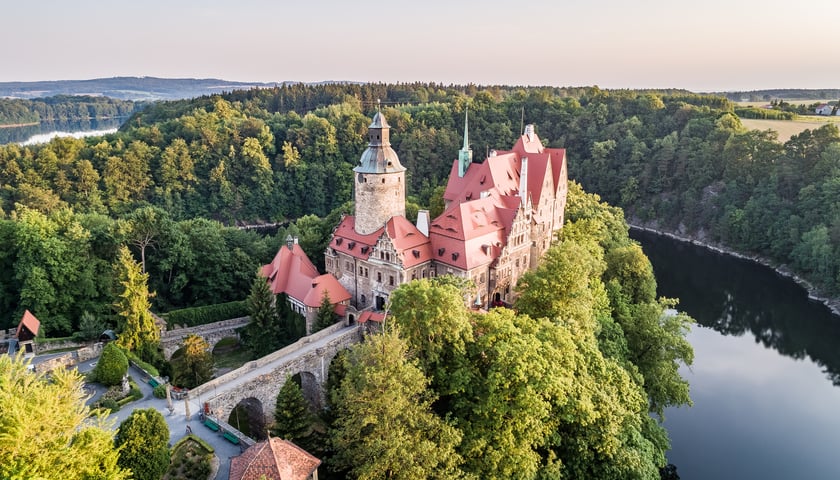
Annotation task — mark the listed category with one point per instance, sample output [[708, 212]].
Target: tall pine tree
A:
[[139, 332]]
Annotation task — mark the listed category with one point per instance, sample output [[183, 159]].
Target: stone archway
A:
[[249, 418], [311, 389]]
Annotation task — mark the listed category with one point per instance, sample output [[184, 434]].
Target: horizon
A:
[[655, 44]]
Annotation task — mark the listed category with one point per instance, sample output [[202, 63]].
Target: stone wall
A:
[[71, 358], [42, 347], [281, 364], [171, 340]]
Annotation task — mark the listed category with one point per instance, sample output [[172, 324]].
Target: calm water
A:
[[44, 130], [765, 374]]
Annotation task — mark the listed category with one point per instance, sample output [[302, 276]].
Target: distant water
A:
[[46, 137], [45, 131], [766, 375]]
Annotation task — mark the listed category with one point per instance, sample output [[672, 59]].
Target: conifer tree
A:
[[292, 418], [263, 333], [326, 314], [139, 331], [112, 365], [47, 431]]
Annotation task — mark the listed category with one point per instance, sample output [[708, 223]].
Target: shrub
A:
[[144, 437], [207, 314], [159, 391], [149, 368], [112, 365], [110, 404]]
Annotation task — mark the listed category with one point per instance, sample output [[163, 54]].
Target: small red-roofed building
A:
[[500, 217], [274, 459], [291, 272], [26, 332]]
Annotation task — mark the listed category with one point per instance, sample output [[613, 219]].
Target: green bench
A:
[[231, 438], [211, 425]]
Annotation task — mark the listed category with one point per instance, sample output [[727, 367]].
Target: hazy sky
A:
[[699, 45]]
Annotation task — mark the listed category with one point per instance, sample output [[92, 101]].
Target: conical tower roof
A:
[[379, 157]]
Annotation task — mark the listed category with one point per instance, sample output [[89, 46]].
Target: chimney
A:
[[290, 241], [423, 222], [523, 178]]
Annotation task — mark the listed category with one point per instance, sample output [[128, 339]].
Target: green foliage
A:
[[149, 368], [194, 366], [263, 335], [159, 391], [143, 440], [326, 314], [90, 327], [384, 425], [292, 418], [138, 327], [203, 315], [47, 430], [112, 365]]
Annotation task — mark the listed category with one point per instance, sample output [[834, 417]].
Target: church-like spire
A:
[[465, 154]]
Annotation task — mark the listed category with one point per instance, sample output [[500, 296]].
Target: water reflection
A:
[[762, 405], [24, 133], [735, 297]]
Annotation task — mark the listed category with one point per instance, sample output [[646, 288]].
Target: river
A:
[[44, 131], [766, 369]]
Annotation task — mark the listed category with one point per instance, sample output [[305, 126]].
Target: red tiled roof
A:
[[412, 247], [498, 175], [275, 459], [325, 283], [30, 322], [291, 272], [470, 234], [346, 240], [369, 316]]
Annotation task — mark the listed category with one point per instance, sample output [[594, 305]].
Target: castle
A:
[[499, 218]]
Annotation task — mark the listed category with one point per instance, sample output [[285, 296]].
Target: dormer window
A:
[[351, 245], [338, 240], [455, 256], [365, 249], [441, 251], [416, 253]]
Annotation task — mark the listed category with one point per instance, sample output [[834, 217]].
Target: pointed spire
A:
[[465, 154], [466, 129]]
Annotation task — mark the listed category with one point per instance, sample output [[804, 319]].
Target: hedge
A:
[[764, 113], [149, 368], [191, 317], [197, 440]]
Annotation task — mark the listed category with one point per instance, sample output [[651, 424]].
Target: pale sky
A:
[[708, 45]]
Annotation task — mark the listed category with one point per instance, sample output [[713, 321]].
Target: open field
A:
[[789, 128], [792, 102]]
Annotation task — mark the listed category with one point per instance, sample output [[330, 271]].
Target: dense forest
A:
[[63, 108], [561, 386], [125, 88], [672, 159]]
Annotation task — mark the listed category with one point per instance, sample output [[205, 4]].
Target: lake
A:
[[43, 131], [765, 374]]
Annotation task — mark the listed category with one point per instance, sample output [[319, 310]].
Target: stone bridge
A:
[[262, 378], [171, 340]]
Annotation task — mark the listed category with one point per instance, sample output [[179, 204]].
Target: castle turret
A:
[[465, 155], [380, 180]]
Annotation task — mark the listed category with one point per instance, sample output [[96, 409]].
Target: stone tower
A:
[[380, 180]]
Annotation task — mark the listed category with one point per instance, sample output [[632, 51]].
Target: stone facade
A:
[[500, 218]]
